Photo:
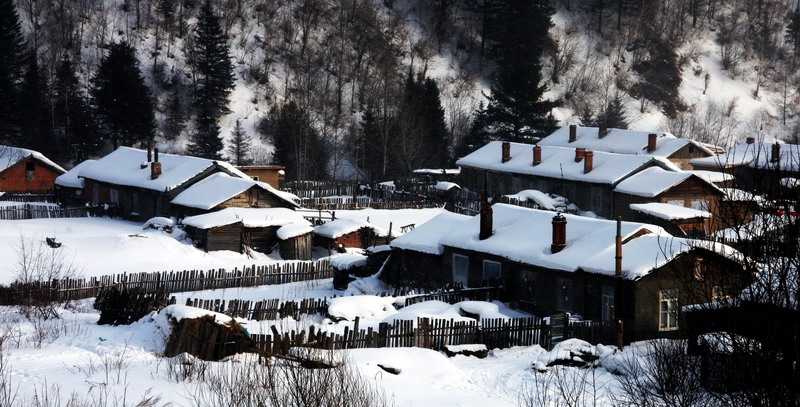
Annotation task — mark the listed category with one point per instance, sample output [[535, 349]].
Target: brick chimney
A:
[[155, 166], [618, 257], [573, 132], [506, 151], [537, 155], [603, 130], [559, 233], [651, 142], [751, 140], [579, 153], [776, 152], [588, 162]]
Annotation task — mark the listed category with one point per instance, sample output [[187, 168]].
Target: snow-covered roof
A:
[[446, 186], [11, 155], [524, 235], [654, 181], [738, 195], [558, 162], [427, 237], [620, 141], [70, 178], [756, 155], [250, 217], [715, 177], [220, 187], [291, 230], [442, 171], [340, 227], [348, 261], [540, 198], [123, 167], [669, 211]]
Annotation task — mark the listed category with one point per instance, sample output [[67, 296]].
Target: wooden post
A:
[[620, 334]]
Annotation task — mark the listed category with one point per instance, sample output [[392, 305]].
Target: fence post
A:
[[620, 334]]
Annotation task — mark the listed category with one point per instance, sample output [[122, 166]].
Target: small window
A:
[[30, 173], [668, 310], [492, 271], [699, 204], [608, 303], [699, 271], [597, 199], [135, 202], [677, 202], [255, 178], [461, 270], [564, 294], [113, 196]]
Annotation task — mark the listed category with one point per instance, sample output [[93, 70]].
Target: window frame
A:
[[499, 269], [668, 309], [453, 270]]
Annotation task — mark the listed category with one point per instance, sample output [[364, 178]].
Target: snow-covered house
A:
[[142, 185], [220, 190], [69, 186], [655, 143], [759, 163], [273, 175], [26, 170], [551, 263], [340, 233], [585, 178], [237, 229]]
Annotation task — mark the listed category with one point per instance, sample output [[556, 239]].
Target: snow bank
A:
[[348, 261], [348, 308], [340, 227]]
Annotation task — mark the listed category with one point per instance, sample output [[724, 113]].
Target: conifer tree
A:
[[73, 124], [212, 64], [34, 115], [516, 110], [121, 99], [239, 148], [298, 146], [175, 118], [12, 51], [206, 141]]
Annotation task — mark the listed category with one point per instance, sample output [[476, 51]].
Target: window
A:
[[491, 271], [135, 203], [607, 303], [597, 199], [461, 270], [95, 193], [699, 269], [668, 309], [255, 178], [718, 294], [113, 196], [564, 294], [30, 173], [678, 202], [699, 204]]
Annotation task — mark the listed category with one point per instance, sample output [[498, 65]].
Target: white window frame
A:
[[499, 269], [668, 309], [463, 279]]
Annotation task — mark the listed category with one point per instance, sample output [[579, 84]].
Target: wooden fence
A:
[[168, 281], [452, 297], [29, 211], [426, 333], [263, 310], [328, 204], [48, 195]]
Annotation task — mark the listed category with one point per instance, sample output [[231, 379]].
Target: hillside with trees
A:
[[372, 89]]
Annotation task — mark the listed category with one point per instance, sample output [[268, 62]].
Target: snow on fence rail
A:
[[34, 211], [426, 333], [47, 195], [168, 281]]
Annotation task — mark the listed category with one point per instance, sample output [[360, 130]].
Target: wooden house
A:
[[142, 185], [270, 174], [653, 143], [585, 178], [596, 268], [69, 186], [23, 170], [262, 230], [341, 233], [758, 163], [220, 190]]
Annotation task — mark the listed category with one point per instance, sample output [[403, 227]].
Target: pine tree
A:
[[298, 146], [175, 118], [239, 148], [206, 141], [516, 110], [73, 124], [478, 134], [12, 52], [793, 30], [435, 125], [122, 101], [212, 64], [34, 115]]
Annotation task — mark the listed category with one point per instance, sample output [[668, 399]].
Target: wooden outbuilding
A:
[[341, 233], [23, 170], [273, 175]]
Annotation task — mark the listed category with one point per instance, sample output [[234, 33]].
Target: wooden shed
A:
[[349, 233]]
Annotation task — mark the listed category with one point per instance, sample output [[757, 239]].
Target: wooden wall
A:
[[683, 156], [297, 248], [14, 178]]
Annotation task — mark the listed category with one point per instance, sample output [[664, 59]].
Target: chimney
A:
[[618, 257], [559, 233], [537, 155], [579, 153], [776, 152], [651, 142], [603, 130], [149, 151], [751, 140], [573, 133], [506, 151], [588, 161], [155, 166], [486, 212], [156, 154]]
